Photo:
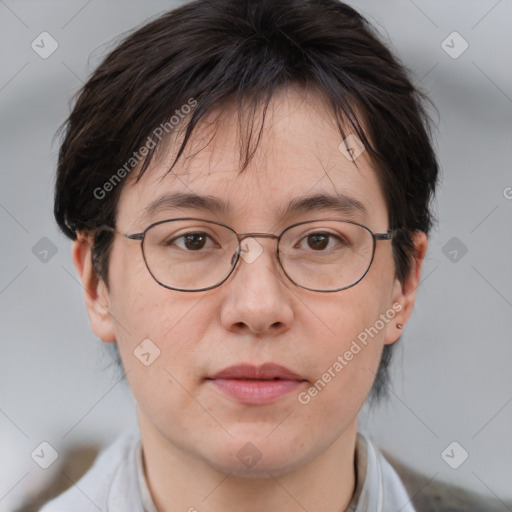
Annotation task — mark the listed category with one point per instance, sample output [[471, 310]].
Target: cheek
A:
[[156, 328], [349, 331], [159, 350], [139, 306]]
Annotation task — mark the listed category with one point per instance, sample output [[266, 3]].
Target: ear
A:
[[95, 290], [404, 294]]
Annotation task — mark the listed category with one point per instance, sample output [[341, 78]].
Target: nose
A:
[[258, 299]]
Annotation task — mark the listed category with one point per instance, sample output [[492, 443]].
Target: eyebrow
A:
[[339, 203], [190, 200]]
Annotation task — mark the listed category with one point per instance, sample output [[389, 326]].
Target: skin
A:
[[191, 433]]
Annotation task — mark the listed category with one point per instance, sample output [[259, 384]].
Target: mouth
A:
[[254, 385]]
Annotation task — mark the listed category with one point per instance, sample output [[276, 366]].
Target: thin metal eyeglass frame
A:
[[141, 238]]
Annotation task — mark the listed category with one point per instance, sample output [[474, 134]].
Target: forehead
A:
[[297, 167]]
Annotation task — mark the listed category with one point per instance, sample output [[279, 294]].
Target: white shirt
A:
[[116, 482]]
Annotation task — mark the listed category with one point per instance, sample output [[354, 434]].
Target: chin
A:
[[255, 457]]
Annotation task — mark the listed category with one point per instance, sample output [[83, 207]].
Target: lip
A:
[[256, 385]]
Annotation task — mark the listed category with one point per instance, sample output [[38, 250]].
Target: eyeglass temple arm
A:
[[134, 236], [384, 236]]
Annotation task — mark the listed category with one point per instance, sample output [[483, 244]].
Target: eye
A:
[[320, 241], [190, 241]]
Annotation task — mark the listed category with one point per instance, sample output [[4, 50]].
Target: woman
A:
[[248, 188]]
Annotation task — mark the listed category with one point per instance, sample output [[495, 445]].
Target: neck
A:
[[178, 481]]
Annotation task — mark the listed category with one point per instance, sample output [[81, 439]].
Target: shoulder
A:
[[391, 485], [112, 469], [428, 493]]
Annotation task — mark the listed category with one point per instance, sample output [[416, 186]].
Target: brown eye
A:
[[189, 241], [195, 241], [318, 241]]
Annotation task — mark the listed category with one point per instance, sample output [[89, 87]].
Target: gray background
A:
[[451, 374]]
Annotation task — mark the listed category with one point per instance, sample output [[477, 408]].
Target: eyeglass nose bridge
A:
[[254, 235], [241, 237]]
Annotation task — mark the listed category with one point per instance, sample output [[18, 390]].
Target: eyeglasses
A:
[[193, 255]]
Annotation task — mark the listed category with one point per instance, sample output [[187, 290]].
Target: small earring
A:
[[399, 326]]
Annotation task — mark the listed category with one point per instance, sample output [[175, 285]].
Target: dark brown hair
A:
[[212, 51]]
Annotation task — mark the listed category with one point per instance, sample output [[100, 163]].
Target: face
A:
[[257, 316]]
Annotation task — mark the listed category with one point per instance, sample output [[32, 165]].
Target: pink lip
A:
[[256, 385]]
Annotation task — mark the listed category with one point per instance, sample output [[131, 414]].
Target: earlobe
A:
[[404, 294], [95, 291]]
